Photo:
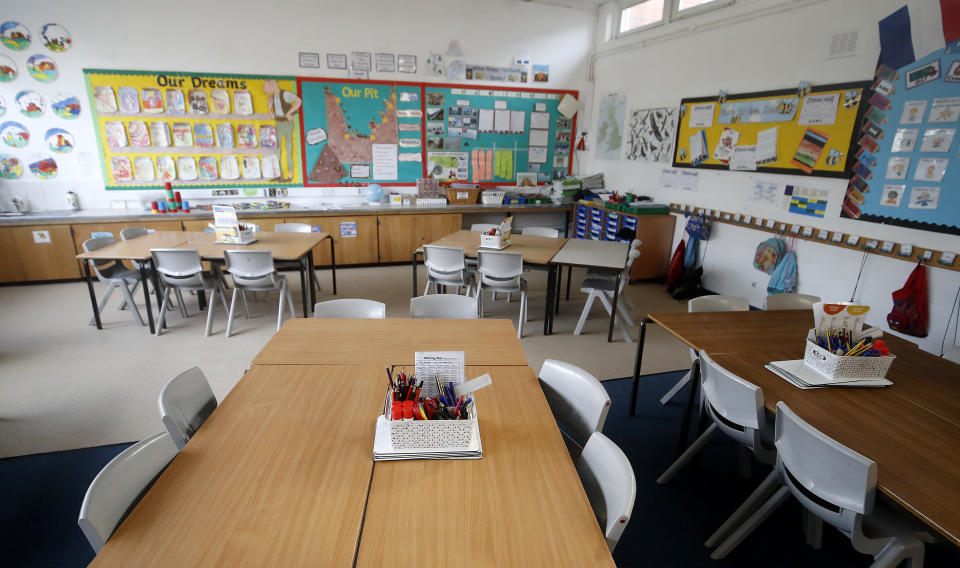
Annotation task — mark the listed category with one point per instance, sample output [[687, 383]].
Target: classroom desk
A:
[[137, 249], [321, 341], [537, 251], [587, 253], [297, 247], [916, 450]]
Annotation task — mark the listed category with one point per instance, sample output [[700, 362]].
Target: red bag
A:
[[910, 314], [675, 270]]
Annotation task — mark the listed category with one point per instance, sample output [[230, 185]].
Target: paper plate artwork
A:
[[42, 68], [31, 104], [55, 37], [8, 69], [14, 134], [43, 166], [166, 169], [66, 106], [10, 167], [59, 140], [14, 35]]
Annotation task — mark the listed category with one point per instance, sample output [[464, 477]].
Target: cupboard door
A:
[[656, 232], [398, 236], [434, 227], [10, 268], [46, 252], [359, 249]]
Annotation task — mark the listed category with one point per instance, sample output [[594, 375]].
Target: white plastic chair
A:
[[716, 303], [115, 275], [577, 399], [502, 272], [446, 266], [350, 308], [254, 270], [443, 306], [789, 301], [548, 232], [608, 480], [602, 289], [295, 228], [186, 402], [181, 269], [635, 244], [837, 485], [120, 485]]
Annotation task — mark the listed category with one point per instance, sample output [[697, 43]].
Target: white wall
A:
[[257, 37], [760, 45]]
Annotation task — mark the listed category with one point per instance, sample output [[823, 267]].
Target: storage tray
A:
[[836, 366]]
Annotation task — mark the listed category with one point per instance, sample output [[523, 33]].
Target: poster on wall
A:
[[156, 127], [610, 126], [651, 133]]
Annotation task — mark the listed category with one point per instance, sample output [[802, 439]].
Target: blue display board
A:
[[909, 169]]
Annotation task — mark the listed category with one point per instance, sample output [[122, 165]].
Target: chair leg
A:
[[759, 496], [133, 305], [233, 303], [246, 307], [521, 316], [282, 296], [290, 302], [181, 304], [813, 529], [688, 455], [668, 396], [744, 530], [316, 281], [210, 308], [163, 311], [480, 299], [905, 547], [585, 313], [427, 287], [103, 302], [123, 304]]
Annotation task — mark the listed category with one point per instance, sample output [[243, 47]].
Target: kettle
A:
[[73, 201], [19, 205]]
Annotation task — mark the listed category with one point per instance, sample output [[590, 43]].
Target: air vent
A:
[[844, 44]]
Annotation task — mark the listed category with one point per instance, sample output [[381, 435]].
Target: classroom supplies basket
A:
[[446, 434], [462, 196], [492, 197], [841, 367]]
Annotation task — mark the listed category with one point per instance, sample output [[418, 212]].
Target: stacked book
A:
[[801, 376]]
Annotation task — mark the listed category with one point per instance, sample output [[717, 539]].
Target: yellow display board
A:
[[195, 130], [772, 131]]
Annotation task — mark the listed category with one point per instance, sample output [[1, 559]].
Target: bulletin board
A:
[[911, 176], [772, 131], [195, 130]]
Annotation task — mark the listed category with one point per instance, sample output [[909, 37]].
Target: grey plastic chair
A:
[[254, 270], [295, 228], [602, 289], [502, 272], [548, 232], [350, 308], [611, 487], [128, 233], [181, 269], [186, 402], [446, 266], [120, 485], [838, 486], [716, 303], [577, 399], [115, 275], [789, 301], [443, 306]]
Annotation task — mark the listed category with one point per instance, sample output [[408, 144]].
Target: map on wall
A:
[[611, 116], [651, 134]]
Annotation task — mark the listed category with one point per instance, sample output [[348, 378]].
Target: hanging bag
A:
[[698, 227], [783, 279], [675, 269], [910, 313], [768, 254]]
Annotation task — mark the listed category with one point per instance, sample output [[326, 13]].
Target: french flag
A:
[[896, 36]]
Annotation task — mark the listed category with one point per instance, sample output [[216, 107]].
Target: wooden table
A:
[[587, 253], [295, 247], [537, 251], [136, 249], [916, 450], [390, 341]]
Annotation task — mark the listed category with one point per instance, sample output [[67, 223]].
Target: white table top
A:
[[593, 254]]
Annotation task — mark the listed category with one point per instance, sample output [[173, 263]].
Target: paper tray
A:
[[247, 242], [383, 450], [801, 376]]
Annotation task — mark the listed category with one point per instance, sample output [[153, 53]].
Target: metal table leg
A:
[[636, 366], [303, 285], [146, 296], [333, 265], [93, 295], [688, 411], [312, 279], [569, 277], [556, 293], [414, 262], [548, 308], [613, 309]]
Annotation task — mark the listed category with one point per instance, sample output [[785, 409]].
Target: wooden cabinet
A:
[[42, 252], [10, 267], [359, 249], [656, 232], [400, 235], [84, 231]]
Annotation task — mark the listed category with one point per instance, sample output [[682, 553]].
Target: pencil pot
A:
[[844, 368], [440, 434]]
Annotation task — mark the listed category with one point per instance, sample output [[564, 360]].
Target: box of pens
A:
[[839, 347]]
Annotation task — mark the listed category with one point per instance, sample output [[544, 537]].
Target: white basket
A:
[[431, 202], [835, 366], [492, 197], [446, 434]]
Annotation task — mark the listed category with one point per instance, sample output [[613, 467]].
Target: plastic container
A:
[[431, 433], [835, 366]]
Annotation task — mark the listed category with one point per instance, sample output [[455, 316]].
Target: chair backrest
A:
[[718, 303], [443, 262], [119, 486], [99, 243], [250, 267], [735, 405], [499, 268], [292, 228], [829, 479], [132, 232], [789, 301], [607, 478], [177, 262], [185, 403], [482, 227], [576, 397], [444, 306], [541, 232], [350, 308]]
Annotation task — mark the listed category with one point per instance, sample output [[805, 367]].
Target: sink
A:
[[11, 214]]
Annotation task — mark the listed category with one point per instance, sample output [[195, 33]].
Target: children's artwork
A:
[[892, 195], [65, 106], [3, 107], [758, 111], [220, 101], [43, 166], [931, 169], [229, 168], [30, 103], [55, 37], [8, 69], [15, 35], [59, 140], [806, 200], [611, 114], [937, 140], [187, 168], [151, 101], [726, 143], [819, 109], [203, 135], [808, 152], [246, 136], [923, 74], [160, 133], [137, 133], [251, 167], [698, 147], [541, 73], [116, 135], [924, 197], [182, 135], [242, 103], [905, 140], [104, 99], [268, 136], [197, 101], [270, 166], [224, 132], [913, 112], [767, 146], [166, 168], [143, 169], [701, 115], [651, 134], [10, 167], [526, 179], [121, 168], [944, 110], [42, 68], [897, 167], [129, 99], [175, 101], [207, 167], [14, 134]]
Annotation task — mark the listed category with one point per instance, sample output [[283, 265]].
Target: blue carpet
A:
[[40, 497]]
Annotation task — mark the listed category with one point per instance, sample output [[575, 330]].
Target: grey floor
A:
[[65, 385]]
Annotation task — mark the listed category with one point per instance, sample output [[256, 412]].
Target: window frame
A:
[[677, 14], [667, 6], [671, 13]]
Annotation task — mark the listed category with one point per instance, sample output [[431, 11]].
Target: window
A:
[[641, 15], [687, 4]]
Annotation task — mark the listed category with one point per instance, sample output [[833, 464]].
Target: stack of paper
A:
[[802, 376], [383, 450]]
